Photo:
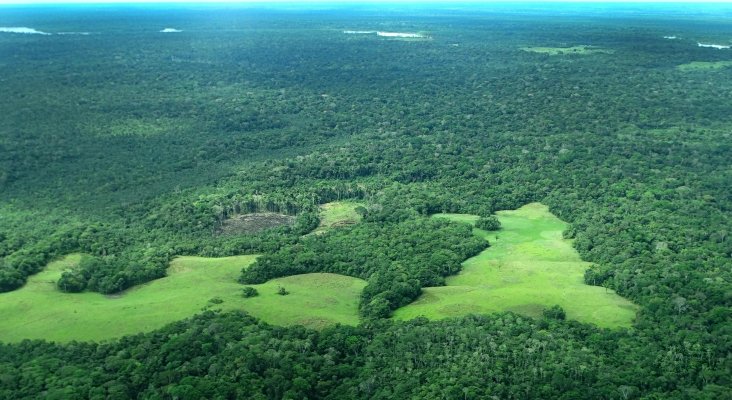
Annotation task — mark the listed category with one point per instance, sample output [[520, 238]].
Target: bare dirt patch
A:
[[254, 223]]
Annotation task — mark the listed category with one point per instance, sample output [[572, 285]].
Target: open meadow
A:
[[528, 267], [40, 311], [250, 200], [337, 213], [704, 66]]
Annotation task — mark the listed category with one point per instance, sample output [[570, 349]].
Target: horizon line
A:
[[352, 2]]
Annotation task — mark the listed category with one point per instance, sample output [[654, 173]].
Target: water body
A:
[[714, 46], [21, 29]]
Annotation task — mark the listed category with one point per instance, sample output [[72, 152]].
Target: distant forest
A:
[[134, 146]]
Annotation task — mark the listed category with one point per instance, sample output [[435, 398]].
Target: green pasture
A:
[[527, 268], [704, 66], [581, 49], [338, 213], [40, 311]]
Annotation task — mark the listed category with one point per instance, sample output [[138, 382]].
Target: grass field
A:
[[582, 49], [527, 268], [40, 311], [704, 66], [337, 213]]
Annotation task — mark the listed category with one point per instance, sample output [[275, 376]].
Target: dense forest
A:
[[134, 146]]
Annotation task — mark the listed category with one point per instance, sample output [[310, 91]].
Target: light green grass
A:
[[704, 66], [553, 51], [338, 213], [40, 311], [529, 267]]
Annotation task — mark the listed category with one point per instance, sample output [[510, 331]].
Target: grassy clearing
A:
[[528, 267], [338, 213], [40, 311], [581, 49], [704, 66]]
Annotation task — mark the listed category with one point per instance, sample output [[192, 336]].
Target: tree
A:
[[489, 223], [71, 282], [378, 307], [554, 312], [10, 279]]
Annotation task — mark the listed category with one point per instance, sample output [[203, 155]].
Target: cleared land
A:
[[338, 213], [704, 66], [527, 268], [40, 311], [582, 49]]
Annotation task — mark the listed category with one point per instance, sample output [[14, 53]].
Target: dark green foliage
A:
[[135, 147], [554, 312], [397, 259], [27, 252], [249, 291], [233, 356], [10, 279], [305, 223], [597, 275], [194, 362], [282, 291], [489, 223], [72, 282]]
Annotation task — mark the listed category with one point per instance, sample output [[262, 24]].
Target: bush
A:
[[489, 223], [71, 282], [555, 312], [282, 291], [10, 279], [249, 291]]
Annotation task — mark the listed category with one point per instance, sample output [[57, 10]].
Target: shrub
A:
[[489, 223], [554, 312]]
